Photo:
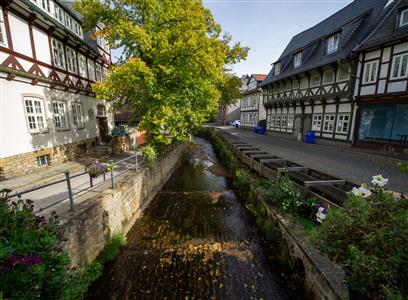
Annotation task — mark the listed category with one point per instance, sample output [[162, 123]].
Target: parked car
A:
[[236, 122]]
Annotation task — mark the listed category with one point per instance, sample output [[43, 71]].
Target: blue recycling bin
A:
[[310, 137], [261, 130], [256, 128], [236, 125]]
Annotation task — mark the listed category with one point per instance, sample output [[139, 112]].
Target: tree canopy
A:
[[174, 67]]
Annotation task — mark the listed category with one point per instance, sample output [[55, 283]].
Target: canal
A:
[[194, 241]]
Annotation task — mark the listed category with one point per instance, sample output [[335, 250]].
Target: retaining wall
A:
[[88, 229]]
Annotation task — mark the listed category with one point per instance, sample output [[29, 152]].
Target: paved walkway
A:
[[348, 163], [58, 193]]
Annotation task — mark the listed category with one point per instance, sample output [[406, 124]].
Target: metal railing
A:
[[135, 164]]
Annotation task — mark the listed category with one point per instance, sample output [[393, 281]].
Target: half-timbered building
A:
[[311, 85], [252, 109], [382, 87], [49, 113]]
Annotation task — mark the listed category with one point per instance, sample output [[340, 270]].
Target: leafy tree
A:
[[173, 71]]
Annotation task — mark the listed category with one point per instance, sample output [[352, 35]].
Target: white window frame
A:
[[43, 161], [325, 77], [273, 119], [277, 69], [333, 43], [45, 5], [312, 84], [35, 114], [401, 19], [91, 70], [343, 123], [329, 122], [291, 119], [343, 70], [77, 115], [72, 62], [58, 52], [317, 122], [297, 60], [58, 13], [59, 109], [400, 71], [98, 71], [83, 66], [278, 121], [370, 73], [284, 121], [3, 35]]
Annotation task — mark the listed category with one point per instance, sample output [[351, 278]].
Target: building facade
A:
[[252, 109], [382, 84], [49, 113], [311, 85]]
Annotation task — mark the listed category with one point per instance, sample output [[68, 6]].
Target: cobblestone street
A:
[[348, 163]]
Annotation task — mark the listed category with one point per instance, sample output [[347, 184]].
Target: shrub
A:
[[150, 154], [369, 236], [242, 181], [31, 264]]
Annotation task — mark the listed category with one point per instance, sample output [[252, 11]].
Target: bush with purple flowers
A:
[[97, 168], [31, 264]]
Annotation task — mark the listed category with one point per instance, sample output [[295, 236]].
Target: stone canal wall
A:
[[88, 229]]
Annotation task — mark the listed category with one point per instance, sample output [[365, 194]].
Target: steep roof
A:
[[259, 77], [354, 22], [387, 30]]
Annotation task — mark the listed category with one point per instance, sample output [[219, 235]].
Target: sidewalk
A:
[[353, 164]]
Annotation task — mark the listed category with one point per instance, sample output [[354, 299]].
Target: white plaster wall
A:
[[386, 54], [381, 86], [15, 136], [42, 49], [403, 47], [367, 90], [372, 54], [384, 71], [330, 108], [20, 35], [318, 109], [344, 107], [399, 86]]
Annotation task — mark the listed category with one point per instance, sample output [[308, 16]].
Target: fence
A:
[[117, 168]]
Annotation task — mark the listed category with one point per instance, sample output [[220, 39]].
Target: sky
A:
[[266, 26]]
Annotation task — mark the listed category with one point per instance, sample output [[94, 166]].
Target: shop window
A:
[[384, 123], [290, 121], [284, 122]]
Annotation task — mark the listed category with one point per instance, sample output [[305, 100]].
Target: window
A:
[[2, 30], [278, 121], [328, 124], [384, 122], [277, 69], [82, 66], [43, 160], [295, 84], [273, 122], [333, 43], [370, 72], [91, 69], [58, 51], [35, 114], [77, 29], [328, 77], [68, 22], [317, 123], [403, 18], [98, 72], [72, 60], [315, 81], [342, 123], [297, 60], [290, 121], [284, 121], [77, 115], [58, 13], [400, 66], [343, 73], [60, 114], [45, 5]]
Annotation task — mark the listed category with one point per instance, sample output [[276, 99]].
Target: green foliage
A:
[[149, 152], [369, 236], [32, 265], [173, 70], [242, 181], [118, 240]]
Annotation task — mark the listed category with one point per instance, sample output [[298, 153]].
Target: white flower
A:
[[361, 191], [320, 215], [379, 180]]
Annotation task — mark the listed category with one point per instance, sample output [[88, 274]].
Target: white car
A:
[[236, 122]]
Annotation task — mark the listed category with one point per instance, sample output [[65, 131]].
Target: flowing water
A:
[[194, 241]]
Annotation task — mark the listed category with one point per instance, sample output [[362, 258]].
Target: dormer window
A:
[[403, 18], [277, 69], [333, 43], [297, 60]]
